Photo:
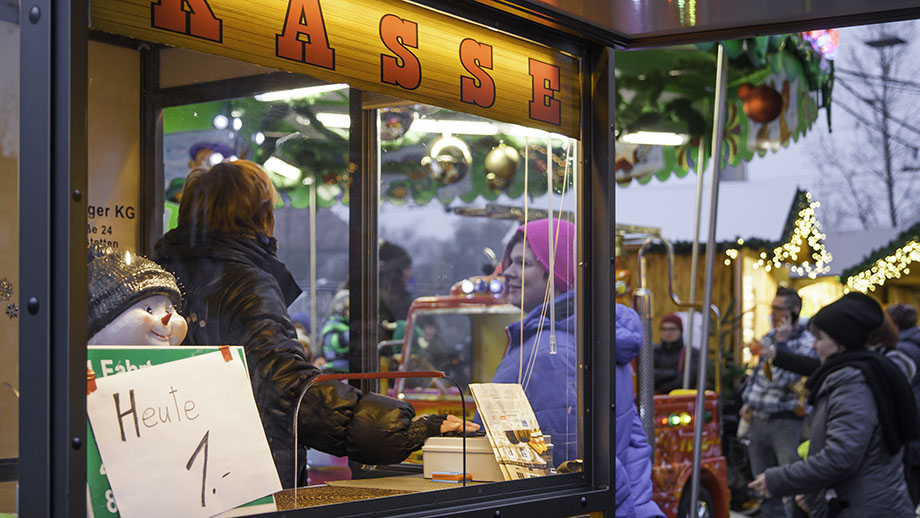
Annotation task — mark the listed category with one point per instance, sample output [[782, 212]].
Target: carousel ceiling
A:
[[775, 87], [642, 23]]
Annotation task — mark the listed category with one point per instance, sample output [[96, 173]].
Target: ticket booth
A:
[[438, 127], [399, 138]]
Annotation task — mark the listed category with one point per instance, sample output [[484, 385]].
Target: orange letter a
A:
[[305, 18]]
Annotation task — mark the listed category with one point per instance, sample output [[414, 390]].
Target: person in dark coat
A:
[[395, 277], [863, 415], [773, 409], [237, 292], [905, 318], [669, 353], [669, 356]]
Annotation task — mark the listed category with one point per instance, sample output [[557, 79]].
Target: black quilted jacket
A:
[[237, 292]]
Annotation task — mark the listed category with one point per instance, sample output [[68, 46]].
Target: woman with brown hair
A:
[[238, 291]]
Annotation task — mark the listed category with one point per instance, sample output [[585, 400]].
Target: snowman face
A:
[[152, 321]]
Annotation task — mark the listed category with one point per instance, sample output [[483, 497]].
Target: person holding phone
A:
[[772, 407]]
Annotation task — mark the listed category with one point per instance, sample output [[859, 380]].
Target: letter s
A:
[[398, 34], [475, 58]]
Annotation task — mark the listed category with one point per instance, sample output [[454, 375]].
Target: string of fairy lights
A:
[[806, 236], [890, 267]]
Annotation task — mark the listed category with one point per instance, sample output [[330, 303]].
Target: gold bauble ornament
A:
[[448, 161], [501, 164]]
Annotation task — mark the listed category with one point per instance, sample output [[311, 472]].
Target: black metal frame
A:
[[574, 493], [362, 240], [52, 257]]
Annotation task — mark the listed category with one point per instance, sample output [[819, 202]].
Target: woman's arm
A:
[[785, 358], [851, 419]]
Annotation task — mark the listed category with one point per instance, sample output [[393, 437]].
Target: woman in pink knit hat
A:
[[549, 380]]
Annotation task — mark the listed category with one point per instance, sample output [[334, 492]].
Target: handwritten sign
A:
[[188, 429], [107, 360]]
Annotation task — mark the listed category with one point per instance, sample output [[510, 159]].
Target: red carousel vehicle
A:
[[671, 422]]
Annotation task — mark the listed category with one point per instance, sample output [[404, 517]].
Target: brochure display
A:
[[512, 429]]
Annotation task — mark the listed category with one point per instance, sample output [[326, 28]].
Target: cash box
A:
[[445, 454]]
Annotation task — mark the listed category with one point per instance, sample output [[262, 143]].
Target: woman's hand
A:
[[802, 503], [454, 424], [759, 485]]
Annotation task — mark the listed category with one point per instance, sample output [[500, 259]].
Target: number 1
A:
[[204, 468]]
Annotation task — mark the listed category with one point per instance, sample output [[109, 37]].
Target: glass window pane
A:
[[300, 138], [460, 291], [9, 258], [452, 194]]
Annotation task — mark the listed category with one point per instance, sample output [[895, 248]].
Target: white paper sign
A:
[[182, 438]]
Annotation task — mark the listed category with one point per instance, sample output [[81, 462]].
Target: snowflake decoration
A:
[[6, 290], [12, 311]]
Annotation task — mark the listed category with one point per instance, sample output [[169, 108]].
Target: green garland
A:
[[911, 234]]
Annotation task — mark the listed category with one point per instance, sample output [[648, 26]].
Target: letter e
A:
[[149, 413], [189, 406], [543, 107]]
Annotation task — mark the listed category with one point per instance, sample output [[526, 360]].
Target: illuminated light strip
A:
[[886, 268], [807, 231]]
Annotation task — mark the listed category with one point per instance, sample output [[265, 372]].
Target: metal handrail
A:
[[377, 376], [694, 305]]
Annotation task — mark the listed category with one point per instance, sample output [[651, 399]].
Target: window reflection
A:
[[466, 259], [456, 193], [9, 263]]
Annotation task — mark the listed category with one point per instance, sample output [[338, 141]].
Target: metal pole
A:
[[694, 259], [314, 325], [718, 115], [645, 377], [552, 245]]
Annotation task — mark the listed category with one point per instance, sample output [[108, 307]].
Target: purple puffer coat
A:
[[633, 461]]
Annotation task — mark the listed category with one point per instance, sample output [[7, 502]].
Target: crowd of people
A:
[[847, 380], [831, 411]]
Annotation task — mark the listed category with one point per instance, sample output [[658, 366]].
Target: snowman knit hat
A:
[[118, 281]]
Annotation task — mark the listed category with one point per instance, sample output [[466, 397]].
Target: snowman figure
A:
[[132, 301]]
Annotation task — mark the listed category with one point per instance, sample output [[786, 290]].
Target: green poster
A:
[[111, 360]]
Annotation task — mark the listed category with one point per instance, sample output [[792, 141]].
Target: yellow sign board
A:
[[395, 48]]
